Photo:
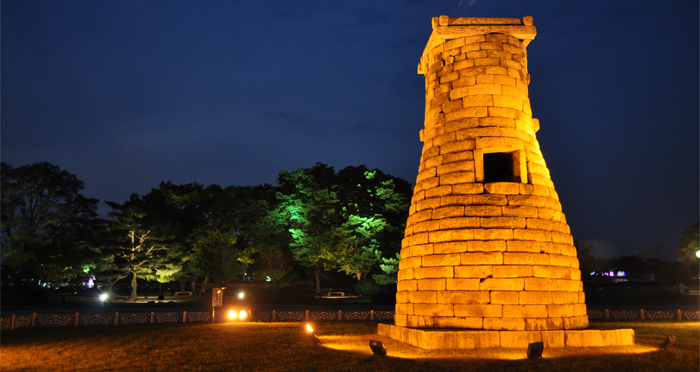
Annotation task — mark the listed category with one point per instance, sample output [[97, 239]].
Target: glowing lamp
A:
[[534, 350], [668, 342], [377, 348], [103, 297], [242, 314], [697, 254], [241, 295], [232, 314], [312, 335]]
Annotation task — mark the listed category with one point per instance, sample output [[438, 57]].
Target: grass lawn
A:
[[283, 347]]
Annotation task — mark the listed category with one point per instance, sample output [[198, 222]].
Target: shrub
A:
[[366, 287]]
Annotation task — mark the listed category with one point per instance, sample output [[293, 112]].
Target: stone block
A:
[[445, 212], [519, 211], [502, 188], [449, 77], [405, 274], [501, 284], [504, 79], [432, 272], [478, 310], [483, 210], [525, 311], [477, 54], [459, 223], [480, 271], [433, 309], [491, 45], [456, 200], [560, 310], [426, 226], [617, 337], [468, 188], [450, 247], [459, 146], [420, 238], [450, 106], [463, 81], [402, 297], [504, 324], [409, 262], [406, 309], [512, 271], [535, 298], [504, 297], [460, 124], [421, 250], [427, 204], [423, 297], [523, 246], [539, 224], [559, 260], [554, 272], [558, 237], [489, 199], [559, 297], [451, 235], [455, 157], [520, 258], [455, 43], [580, 310], [552, 248], [399, 320], [427, 183], [477, 100], [508, 101], [584, 338], [486, 246], [463, 284], [499, 54], [545, 284], [494, 234], [577, 322], [438, 191], [463, 297], [459, 322], [452, 259], [467, 112], [519, 339], [486, 62], [482, 258], [553, 339], [503, 222], [456, 167], [528, 234], [432, 284], [484, 79], [496, 144]]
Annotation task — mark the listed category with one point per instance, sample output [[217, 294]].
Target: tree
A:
[[308, 205], [215, 256], [690, 244], [135, 247], [46, 222]]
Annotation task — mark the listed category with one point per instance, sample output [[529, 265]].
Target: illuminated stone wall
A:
[[486, 244]]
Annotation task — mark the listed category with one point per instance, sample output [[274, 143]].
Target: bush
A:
[[366, 287], [384, 299], [670, 273]]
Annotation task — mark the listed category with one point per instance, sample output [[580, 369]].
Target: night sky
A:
[[126, 94]]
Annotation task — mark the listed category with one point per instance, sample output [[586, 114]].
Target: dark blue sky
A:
[[126, 94]]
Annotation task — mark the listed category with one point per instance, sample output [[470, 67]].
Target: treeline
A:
[[350, 221]]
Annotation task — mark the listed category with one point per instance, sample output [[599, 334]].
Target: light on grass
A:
[[534, 350], [668, 342], [242, 314], [377, 348], [232, 314], [312, 335]]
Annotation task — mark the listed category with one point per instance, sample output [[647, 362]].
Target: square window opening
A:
[[498, 167]]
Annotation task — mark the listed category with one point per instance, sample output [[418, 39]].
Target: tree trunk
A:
[[318, 278], [133, 296], [113, 282], [206, 281], [194, 287], [160, 290], [182, 285]]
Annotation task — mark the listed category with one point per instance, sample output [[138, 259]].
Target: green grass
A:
[[283, 347]]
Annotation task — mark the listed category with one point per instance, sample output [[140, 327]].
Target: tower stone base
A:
[[479, 339]]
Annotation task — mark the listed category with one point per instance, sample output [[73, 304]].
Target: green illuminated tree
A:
[[215, 256]]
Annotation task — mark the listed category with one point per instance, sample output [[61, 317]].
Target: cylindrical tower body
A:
[[486, 244]]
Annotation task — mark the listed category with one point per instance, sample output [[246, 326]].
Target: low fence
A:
[[76, 319]]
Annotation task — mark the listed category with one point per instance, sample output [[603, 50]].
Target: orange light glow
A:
[[308, 328], [232, 314], [243, 314]]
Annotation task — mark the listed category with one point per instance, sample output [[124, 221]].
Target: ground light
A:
[[241, 295], [235, 314], [534, 350], [311, 334], [377, 348], [668, 342], [103, 297]]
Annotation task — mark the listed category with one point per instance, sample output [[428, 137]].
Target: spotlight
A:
[[668, 342], [242, 314], [241, 295], [377, 348], [534, 350], [103, 297], [232, 314], [312, 335]]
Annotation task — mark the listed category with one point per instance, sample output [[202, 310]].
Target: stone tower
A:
[[487, 246]]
